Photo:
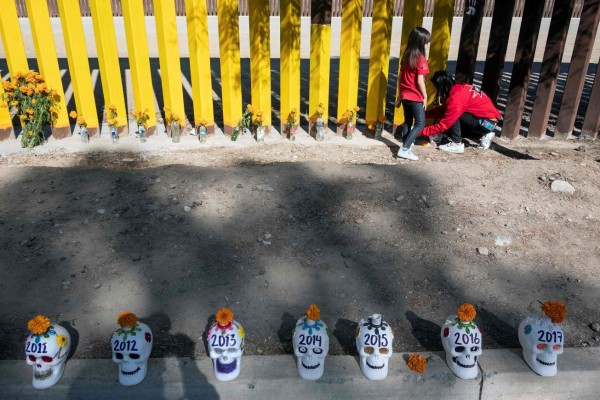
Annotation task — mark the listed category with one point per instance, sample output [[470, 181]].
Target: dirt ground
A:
[[174, 236]]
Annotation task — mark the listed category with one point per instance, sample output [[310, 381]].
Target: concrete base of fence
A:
[[7, 133]]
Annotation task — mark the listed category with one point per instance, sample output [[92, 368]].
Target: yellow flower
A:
[[61, 340], [127, 319], [416, 362], [39, 324], [14, 103], [32, 101], [224, 316], [81, 121], [73, 114], [555, 310], [8, 86], [29, 111], [23, 89], [203, 122], [250, 108], [30, 133], [313, 313], [293, 112], [112, 121], [466, 312], [356, 109], [320, 109], [111, 107], [241, 332]]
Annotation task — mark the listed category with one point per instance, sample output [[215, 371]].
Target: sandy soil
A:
[[267, 231]]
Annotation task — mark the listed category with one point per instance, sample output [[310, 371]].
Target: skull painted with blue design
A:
[[542, 342], [374, 340], [46, 349], [463, 343], [131, 346], [226, 345], [311, 344]]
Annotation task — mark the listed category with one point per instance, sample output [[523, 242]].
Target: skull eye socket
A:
[[542, 346], [32, 358], [369, 350], [217, 350], [474, 348], [459, 349], [302, 349], [134, 356], [556, 347], [318, 351], [119, 356], [47, 359], [384, 350], [231, 350]]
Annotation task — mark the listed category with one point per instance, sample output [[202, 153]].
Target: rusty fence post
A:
[[469, 40]]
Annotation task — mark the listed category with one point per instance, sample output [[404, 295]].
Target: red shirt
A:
[[409, 89], [463, 98]]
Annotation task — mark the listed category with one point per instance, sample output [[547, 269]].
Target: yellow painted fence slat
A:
[[108, 58], [11, 37], [139, 60], [440, 41], [168, 53], [349, 55], [260, 58], [290, 59], [45, 49], [229, 45], [197, 25], [79, 68]]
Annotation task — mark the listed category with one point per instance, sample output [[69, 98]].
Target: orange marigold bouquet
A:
[[555, 310], [313, 313], [127, 319], [417, 363], [34, 102], [38, 325]]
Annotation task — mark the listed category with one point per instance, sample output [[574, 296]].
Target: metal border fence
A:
[[274, 8]]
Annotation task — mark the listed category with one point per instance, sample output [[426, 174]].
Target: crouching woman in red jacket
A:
[[463, 106]]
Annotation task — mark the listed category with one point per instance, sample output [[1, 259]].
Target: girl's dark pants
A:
[[414, 121], [468, 122]]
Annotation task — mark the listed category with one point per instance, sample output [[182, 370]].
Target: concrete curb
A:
[[503, 375]]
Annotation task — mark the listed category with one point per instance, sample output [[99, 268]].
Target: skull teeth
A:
[[455, 359], [548, 364], [312, 366], [42, 376], [375, 367], [135, 371]]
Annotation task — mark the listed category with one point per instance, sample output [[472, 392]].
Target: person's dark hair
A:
[[443, 82], [415, 48]]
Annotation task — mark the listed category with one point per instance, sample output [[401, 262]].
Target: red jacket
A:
[[463, 98]]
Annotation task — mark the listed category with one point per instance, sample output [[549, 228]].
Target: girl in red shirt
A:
[[411, 89]]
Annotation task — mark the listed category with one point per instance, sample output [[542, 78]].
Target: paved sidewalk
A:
[[503, 375]]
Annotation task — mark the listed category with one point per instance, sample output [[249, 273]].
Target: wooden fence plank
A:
[[349, 56], [320, 50], [379, 61], [526, 45], [469, 40], [45, 50], [168, 54], [290, 60], [229, 47], [582, 52], [497, 47], [14, 49], [197, 24], [108, 59], [546, 87], [79, 67], [260, 59], [139, 61], [591, 123]]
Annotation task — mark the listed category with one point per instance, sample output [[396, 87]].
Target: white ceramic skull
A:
[[463, 344], [47, 353], [225, 347], [311, 345], [374, 339], [131, 347], [542, 342]]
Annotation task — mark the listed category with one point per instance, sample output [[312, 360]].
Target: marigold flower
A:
[[250, 108], [52, 109], [356, 109], [224, 316], [38, 325], [3, 105], [417, 363], [320, 109], [32, 101], [14, 103], [30, 133], [8, 86], [29, 111], [466, 312], [127, 319], [294, 111], [81, 121], [73, 114], [112, 121], [23, 89], [313, 313], [61, 340], [555, 310], [203, 122], [112, 107]]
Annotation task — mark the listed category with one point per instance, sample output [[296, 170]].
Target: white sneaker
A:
[[407, 154], [486, 141], [452, 147]]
